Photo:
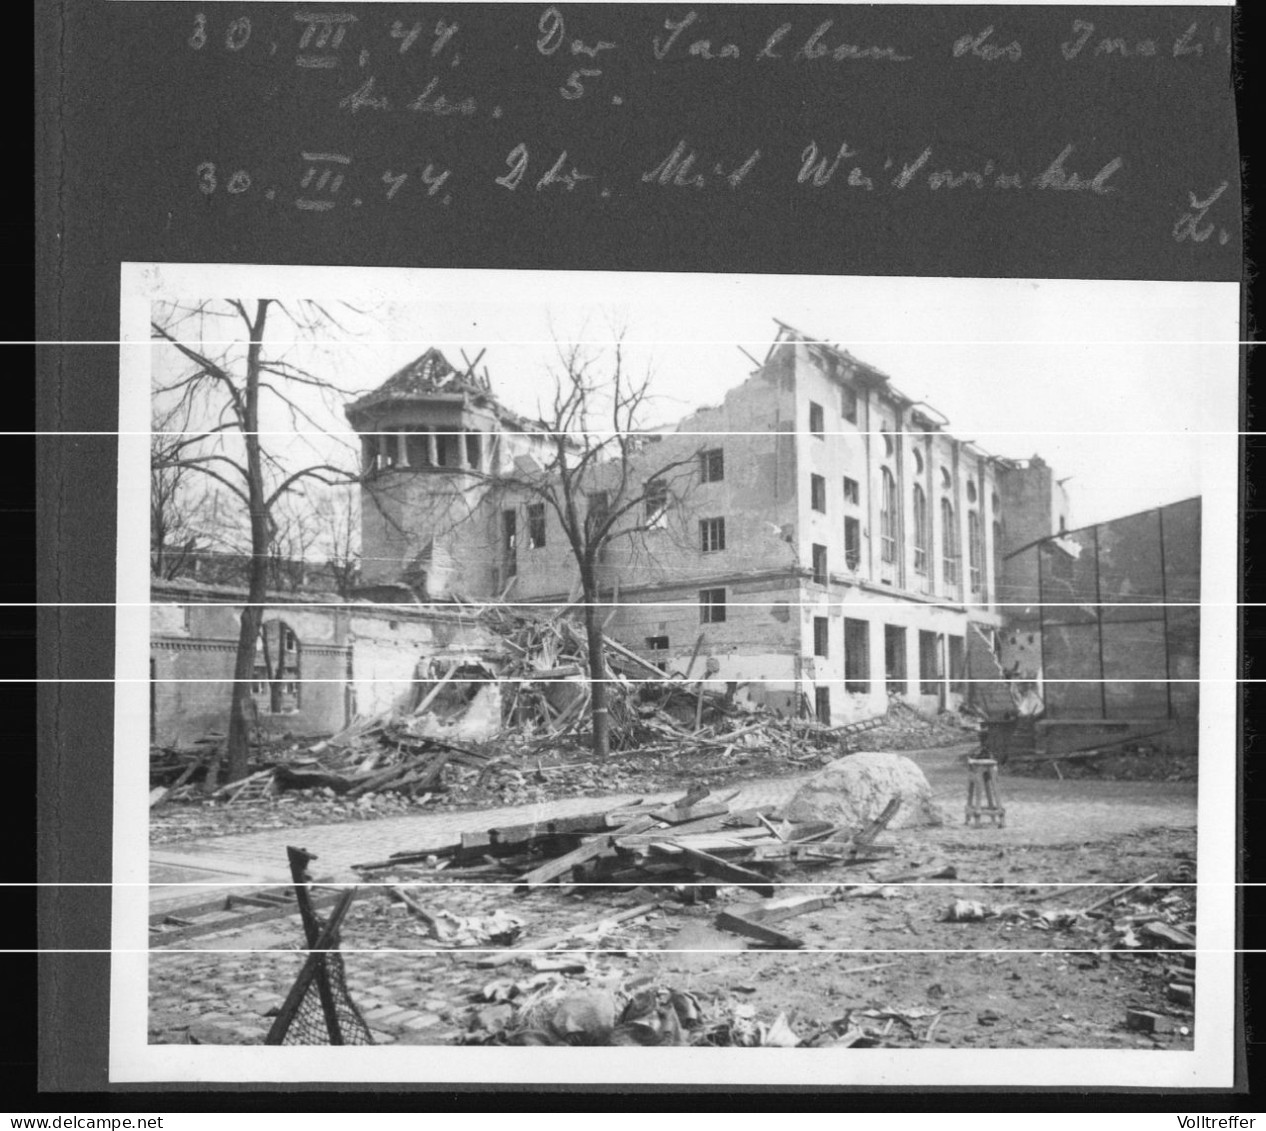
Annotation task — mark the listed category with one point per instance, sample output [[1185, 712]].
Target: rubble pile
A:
[[697, 839], [465, 735]]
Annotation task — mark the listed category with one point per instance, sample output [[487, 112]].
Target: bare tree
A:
[[337, 517], [228, 386], [602, 482], [173, 534]]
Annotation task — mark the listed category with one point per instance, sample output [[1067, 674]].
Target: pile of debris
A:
[[696, 840], [463, 729], [548, 1010]]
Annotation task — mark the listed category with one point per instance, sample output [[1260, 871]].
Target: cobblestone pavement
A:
[[226, 997]]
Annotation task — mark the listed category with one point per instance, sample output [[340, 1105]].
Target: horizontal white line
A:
[[444, 952], [527, 678]]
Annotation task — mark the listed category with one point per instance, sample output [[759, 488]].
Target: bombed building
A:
[[818, 543], [822, 539]]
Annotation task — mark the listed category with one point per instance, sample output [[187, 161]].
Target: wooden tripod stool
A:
[[982, 792]]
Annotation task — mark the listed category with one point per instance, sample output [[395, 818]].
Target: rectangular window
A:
[[712, 465], [819, 564], [852, 492], [510, 542], [957, 665], [997, 560], [856, 655], [822, 705], [817, 493], [817, 421], [597, 504], [536, 526], [711, 606], [656, 504], [975, 553], [930, 674], [895, 658], [821, 637], [711, 534], [848, 403], [657, 643], [888, 517], [949, 543], [853, 543], [922, 538]]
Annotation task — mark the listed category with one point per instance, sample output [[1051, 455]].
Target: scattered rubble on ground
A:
[[864, 954], [664, 728]]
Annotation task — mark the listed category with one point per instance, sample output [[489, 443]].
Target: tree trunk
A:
[[257, 590], [597, 665]]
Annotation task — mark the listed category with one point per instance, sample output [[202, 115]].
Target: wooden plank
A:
[[674, 816], [714, 866], [589, 850], [1163, 932], [788, 908], [1114, 896], [871, 831], [766, 936]]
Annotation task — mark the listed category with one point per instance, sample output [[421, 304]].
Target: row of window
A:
[[889, 520], [935, 650], [712, 530]]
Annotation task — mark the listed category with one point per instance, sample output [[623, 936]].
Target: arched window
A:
[[975, 552], [276, 683], [888, 517], [949, 543], [997, 559], [922, 535]]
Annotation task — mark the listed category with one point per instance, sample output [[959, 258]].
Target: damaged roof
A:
[[425, 376]]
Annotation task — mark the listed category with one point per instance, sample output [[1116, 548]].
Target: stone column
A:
[[402, 456], [431, 453]]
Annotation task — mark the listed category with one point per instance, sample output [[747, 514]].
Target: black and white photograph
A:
[[590, 675]]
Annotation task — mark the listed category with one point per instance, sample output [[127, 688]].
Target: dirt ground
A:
[[882, 965]]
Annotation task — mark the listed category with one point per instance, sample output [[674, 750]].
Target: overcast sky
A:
[[1125, 388]]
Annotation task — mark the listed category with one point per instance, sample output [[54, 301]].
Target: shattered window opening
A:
[[711, 534], [276, 678], [853, 543], [819, 564], [711, 606], [895, 659], [712, 465], [856, 655], [536, 526], [848, 403], [930, 673], [817, 493], [821, 637], [656, 504], [817, 420], [822, 705], [852, 491]]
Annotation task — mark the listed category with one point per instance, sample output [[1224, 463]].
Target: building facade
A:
[[319, 662], [819, 539]]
